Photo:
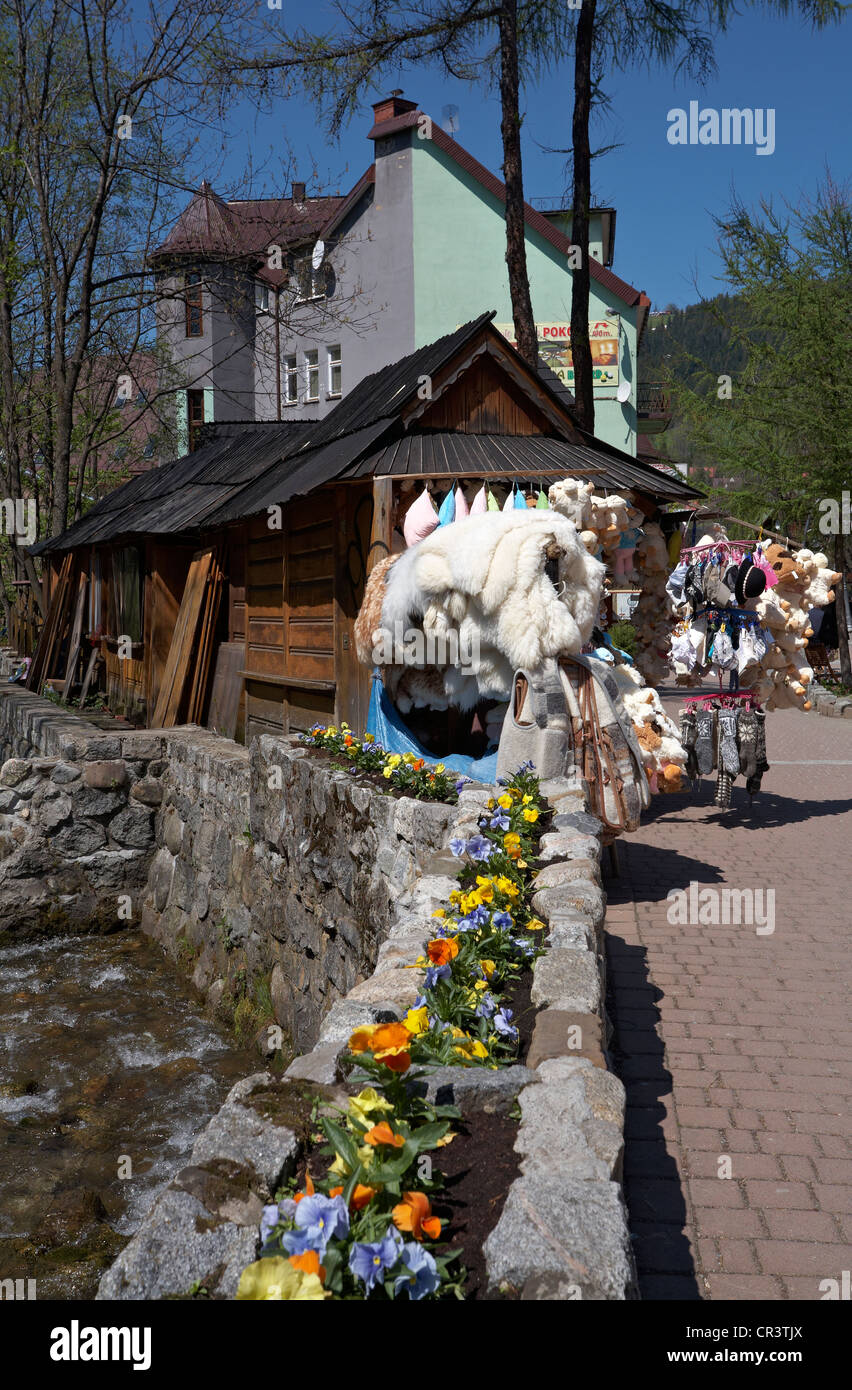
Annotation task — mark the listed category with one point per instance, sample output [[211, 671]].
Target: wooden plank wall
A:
[[303, 588], [485, 401]]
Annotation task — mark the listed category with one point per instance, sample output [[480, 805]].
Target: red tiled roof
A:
[[209, 226], [535, 220]]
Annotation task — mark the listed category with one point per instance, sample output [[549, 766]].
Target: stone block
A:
[[105, 775], [148, 791], [132, 827], [54, 813], [397, 985], [13, 772], [65, 772], [564, 1033], [240, 1131], [581, 896], [318, 1067], [473, 1089], [566, 979], [177, 1246], [562, 1237], [346, 1015], [79, 838], [567, 871]]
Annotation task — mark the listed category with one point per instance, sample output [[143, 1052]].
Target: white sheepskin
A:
[[484, 578]]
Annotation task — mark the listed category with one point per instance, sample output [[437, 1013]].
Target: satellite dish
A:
[[623, 392], [317, 255]]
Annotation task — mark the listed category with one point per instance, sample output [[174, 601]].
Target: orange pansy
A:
[[414, 1214], [442, 950], [309, 1263], [383, 1134], [362, 1195]]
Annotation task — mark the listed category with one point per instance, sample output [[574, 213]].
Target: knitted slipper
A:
[[729, 758], [723, 790], [753, 783], [704, 740], [688, 733], [747, 732]]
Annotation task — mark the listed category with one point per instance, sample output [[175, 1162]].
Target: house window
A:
[[193, 306], [310, 283], [291, 380], [312, 374], [335, 370], [261, 297], [195, 417]]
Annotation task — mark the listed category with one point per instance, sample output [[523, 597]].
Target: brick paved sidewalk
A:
[[735, 1044]]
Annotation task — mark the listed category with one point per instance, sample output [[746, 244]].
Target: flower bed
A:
[[405, 774], [367, 1228]]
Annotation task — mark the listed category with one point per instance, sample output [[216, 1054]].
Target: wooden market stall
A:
[[231, 579]]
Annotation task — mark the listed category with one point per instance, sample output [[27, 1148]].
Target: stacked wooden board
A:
[[53, 631], [185, 680]]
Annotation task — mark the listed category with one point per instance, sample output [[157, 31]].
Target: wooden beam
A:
[[381, 529]]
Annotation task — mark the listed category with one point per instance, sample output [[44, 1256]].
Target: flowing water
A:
[[108, 1070]]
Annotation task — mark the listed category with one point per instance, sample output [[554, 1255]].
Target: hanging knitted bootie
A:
[[723, 789], [729, 758], [761, 764], [688, 734], [747, 734], [704, 750]]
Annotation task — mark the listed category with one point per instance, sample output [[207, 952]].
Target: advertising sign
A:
[[554, 345]]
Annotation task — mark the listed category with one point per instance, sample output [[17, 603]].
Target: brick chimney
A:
[[298, 192], [392, 106]]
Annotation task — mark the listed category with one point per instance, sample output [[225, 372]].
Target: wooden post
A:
[[381, 530]]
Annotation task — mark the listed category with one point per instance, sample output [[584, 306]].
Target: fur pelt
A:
[[484, 579], [369, 619]]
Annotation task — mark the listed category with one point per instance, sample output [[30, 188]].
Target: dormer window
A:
[[310, 283], [193, 306]]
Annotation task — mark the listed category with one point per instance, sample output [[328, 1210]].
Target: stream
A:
[[108, 1070]]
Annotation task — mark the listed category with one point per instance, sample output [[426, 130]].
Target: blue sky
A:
[[665, 195]]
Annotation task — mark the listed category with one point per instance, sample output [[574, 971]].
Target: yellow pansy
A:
[[366, 1104], [276, 1279], [531, 814], [505, 801], [447, 1139], [526, 799], [416, 1021], [369, 738], [394, 759], [488, 968], [535, 924], [491, 803], [506, 886], [485, 890], [439, 767], [387, 772]]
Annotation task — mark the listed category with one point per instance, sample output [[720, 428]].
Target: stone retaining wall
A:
[[563, 1232], [826, 702], [77, 807]]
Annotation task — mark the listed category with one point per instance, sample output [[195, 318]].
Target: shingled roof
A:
[[249, 467]]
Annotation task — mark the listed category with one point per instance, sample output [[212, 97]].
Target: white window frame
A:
[[334, 357], [312, 367], [291, 379], [261, 297], [312, 277]]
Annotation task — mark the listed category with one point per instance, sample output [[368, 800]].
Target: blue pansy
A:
[[436, 973], [479, 848], [369, 1261], [504, 1025], [499, 821], [318, 1220], [458, 845], [502, 920], [421, 1277]]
